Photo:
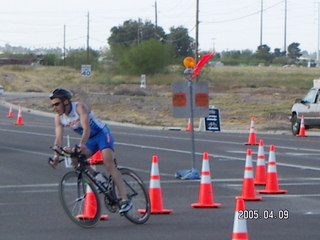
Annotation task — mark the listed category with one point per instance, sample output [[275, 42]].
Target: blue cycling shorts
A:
[[102, 140]]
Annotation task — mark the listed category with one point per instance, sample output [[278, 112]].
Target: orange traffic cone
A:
[[302, 130], [97, 157], [10, 114], [252, 134], [240, 231], [206, 197], [248, 190], [261, 170], [155, 192], [19, 120], [272, 186], [189, 127], [90, 205]]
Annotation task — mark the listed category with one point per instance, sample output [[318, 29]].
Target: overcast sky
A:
[[224, 24]]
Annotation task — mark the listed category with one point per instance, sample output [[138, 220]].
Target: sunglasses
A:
[[55, 104]]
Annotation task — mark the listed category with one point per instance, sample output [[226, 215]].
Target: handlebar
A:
[[73, 153], [66, 152], [50, 162]]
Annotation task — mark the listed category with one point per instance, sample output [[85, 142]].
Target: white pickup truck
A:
[[309, 107]]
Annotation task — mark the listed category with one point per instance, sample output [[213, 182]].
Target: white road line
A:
[[166, 137], [216, 141], [225, 157], [45, 185], [305, 181], [25, 151], [288, 153], [282, 184], [312, 213], [217, 156]]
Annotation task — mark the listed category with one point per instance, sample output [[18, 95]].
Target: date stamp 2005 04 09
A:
[[265, 214]]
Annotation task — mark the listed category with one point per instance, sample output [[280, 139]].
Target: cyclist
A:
[[95, 135]]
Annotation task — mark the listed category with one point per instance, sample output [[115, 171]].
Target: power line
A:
[[244, 16]]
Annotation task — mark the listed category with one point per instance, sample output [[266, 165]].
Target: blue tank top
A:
[[73, 120]]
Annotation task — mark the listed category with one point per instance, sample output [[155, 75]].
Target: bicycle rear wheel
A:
[[79, 199], [140, 211]]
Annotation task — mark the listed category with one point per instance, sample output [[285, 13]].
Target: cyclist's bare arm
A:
[[58, 139], [58, 131], [75, 153]]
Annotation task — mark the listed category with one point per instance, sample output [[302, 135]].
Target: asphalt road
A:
[[30, 209]]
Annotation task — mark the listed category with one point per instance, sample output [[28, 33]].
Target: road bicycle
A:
[[79, 191]]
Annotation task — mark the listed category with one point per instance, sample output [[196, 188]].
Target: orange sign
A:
[[179, 100], [202, 99], [189, 62]]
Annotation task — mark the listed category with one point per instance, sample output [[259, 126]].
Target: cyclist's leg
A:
[[108, 159], [104, 142]]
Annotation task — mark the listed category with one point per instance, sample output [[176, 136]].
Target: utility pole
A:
[[317, 63], [64, 45], [197, 32], [285, 28], [213, 45], [139, 33], [88, 38], [261, 22], [156, 14]]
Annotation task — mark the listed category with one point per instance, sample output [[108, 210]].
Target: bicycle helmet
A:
[[61, 93]]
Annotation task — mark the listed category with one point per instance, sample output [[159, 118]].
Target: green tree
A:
[[76, 57], [180, 41], [294, 52], [282, 60], [231, 57], [132, 32], [263, 53], [149, 57], [277, 52], [51, 60]]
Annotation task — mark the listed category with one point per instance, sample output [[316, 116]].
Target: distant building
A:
[[215, 64], [308, 62], [13, 61]]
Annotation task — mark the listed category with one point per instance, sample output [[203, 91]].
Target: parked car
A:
[[309, 107]]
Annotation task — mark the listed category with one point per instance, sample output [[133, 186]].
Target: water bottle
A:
[[101, 178]]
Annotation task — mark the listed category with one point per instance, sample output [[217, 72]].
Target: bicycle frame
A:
[[82, 168]]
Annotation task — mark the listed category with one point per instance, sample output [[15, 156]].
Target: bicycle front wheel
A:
[[140, 211], [79, 199]]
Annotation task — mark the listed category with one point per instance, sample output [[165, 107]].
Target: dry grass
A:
[[266, 93]]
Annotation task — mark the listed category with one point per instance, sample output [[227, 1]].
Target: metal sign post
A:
[[198, 104], [188, 76], [193, 173]]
